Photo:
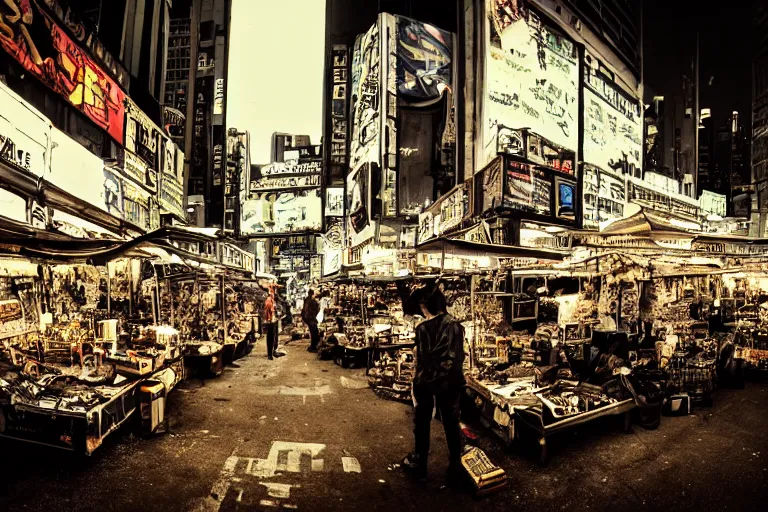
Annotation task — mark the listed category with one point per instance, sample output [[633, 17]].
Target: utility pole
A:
[[189, 128], [696, 120]]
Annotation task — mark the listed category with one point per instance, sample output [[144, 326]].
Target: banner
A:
[[279, 183], [531, 77], [43, 48]]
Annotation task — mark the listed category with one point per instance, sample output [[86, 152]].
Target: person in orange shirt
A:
[[269, 317]]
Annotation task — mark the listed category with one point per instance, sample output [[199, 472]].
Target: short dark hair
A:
[[311, 292], [434, 301]]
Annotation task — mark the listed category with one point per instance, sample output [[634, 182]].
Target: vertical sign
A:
[[340, 70]]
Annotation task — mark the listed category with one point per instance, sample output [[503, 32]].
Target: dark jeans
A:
[[314, 336], [271, 338], [446, 397]]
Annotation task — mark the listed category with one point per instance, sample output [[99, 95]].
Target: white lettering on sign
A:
[[273, 183], [292, 167], [218, 97], [13, 154]]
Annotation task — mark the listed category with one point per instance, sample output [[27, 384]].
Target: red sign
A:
[[43, 48]]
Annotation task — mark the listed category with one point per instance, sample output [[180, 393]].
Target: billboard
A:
[[365, 98], [79, 172], [285, 211], [613, 126], [531, 77], [141, 134], [24, 133], [43, 48]]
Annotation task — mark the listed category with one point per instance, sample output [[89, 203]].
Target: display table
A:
[[530, 420]]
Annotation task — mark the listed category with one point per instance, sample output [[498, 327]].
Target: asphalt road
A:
[[302, 434]]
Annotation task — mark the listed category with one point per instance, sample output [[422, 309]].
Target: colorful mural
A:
[[424, 61], [41, 46]]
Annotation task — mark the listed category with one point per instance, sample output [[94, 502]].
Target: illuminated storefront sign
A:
[[43, 48], [24, 133], [531, 77]]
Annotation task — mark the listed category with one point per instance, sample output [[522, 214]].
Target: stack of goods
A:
[[486, 476], [694, 375], [392, 375], [565, 399]]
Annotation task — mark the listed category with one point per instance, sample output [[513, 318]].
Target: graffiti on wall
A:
[[41, 46], [531, 76], [424, 61]]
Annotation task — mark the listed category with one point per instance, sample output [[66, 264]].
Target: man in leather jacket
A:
[[439, 380]]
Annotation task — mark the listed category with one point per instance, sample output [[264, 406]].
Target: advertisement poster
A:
[[531, 77], [334, 202], [366, 68], [613, 127], [424, 61], [493, 185], [282, 212], [43, 48], [24, 133], [518, 193]]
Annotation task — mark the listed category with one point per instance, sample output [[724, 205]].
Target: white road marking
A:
[[267, 468], [239, 498], [276, 490], [268, 503]]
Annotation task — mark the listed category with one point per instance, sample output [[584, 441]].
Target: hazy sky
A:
[[276, 70]]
